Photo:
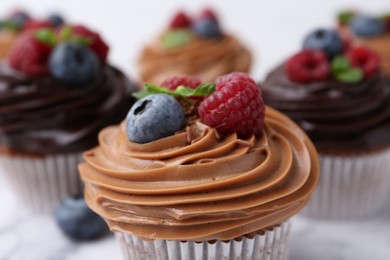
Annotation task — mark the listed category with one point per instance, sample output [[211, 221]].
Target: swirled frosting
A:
[[206, 58], [338, 117], [196, 186], [40, 116]]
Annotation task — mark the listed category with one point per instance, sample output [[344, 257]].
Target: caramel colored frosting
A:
[[7, 39], [380, 44], [206, 58], [197, 186]]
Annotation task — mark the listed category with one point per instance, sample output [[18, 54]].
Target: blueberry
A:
[[77, 221], [56, 19], [154, 117], [328, 41], [73, 64], [366, 26], [207, 28], [19, 18]]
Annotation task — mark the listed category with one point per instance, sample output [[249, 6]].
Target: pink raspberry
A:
[[364, 58], [235, 107], [188, 81]]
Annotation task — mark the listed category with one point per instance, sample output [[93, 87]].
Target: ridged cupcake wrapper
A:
[[354, 187], [41, 183], [271, 245]]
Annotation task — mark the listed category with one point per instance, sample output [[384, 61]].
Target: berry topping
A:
[[188, 81], [307, 66], [19, 18], [328, 41], [365, 59], [154, 117], [36, 24], [208, 13], [97, 44], [236, 106], [77, 221], [207, 28], [366, 26], [29, 55], [56, 20], [180, 21], [73, 64]]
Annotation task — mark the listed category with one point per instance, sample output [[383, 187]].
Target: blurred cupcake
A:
[[57, 92], [197, 47], [216, 181], [370, 31], [340, 98]]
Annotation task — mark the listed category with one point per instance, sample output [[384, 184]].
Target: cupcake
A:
[[341, 99], [201, 177], [57, 93], [370, 31], [197, 46], [18, 22]]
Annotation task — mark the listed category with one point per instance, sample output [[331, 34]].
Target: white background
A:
[[273, 30]]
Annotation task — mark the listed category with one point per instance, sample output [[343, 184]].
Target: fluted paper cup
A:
[[267, 245], [40, 183], [351, 187]]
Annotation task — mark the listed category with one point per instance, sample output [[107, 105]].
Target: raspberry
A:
[[35, 24], [235, 107], [364, 58], [207, 13], [307, 66], [188, 81], [30, 55], [180, 21], [97, 45]]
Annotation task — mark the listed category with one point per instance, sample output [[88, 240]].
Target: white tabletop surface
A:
[[273, 30]]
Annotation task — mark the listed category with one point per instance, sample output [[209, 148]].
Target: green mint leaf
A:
[[203, 90], [345, 17], [175, 38], [350, 76], [65, 33], [11, 26], [81, 40], [46, 36], [140, 94], [340, 64]]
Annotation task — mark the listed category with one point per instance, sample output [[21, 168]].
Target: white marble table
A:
[[37, 238]]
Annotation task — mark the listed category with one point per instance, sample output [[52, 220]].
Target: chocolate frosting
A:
[[196, 186], [205, 58], [336, 116], [40, 116]]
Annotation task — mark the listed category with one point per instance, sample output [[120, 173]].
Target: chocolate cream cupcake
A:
[[216, 181], [57, 93], [196, 47], [340, 97]]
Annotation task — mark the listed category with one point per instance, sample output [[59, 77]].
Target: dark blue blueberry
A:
[[19, 18], [56, 19], [77, 221], [328, 41], [154, 117], [366, 26], [73, 64], [207, 28]]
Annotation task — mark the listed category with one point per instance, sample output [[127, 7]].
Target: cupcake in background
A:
[[370, 31], [196, 46], [210, 174], [58, 91], [338, 94], [18, 22]]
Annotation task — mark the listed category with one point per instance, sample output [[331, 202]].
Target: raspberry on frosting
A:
[[365, 59]]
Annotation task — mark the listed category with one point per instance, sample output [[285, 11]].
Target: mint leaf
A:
[[181, 92], [12, 26], [339, 64], [176, 38], [65, 33], [353, 75], [81, 40], [345, 17], [46, 36]]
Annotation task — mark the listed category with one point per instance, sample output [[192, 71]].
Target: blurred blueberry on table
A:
[[56, 19], [73, 64], [366, 26], [326, 40], [77, 221], [19, 18], [154, 117], [207, 28]]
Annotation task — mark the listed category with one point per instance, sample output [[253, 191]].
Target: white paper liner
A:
[[41, 183], [272, 245], [351, 187]]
